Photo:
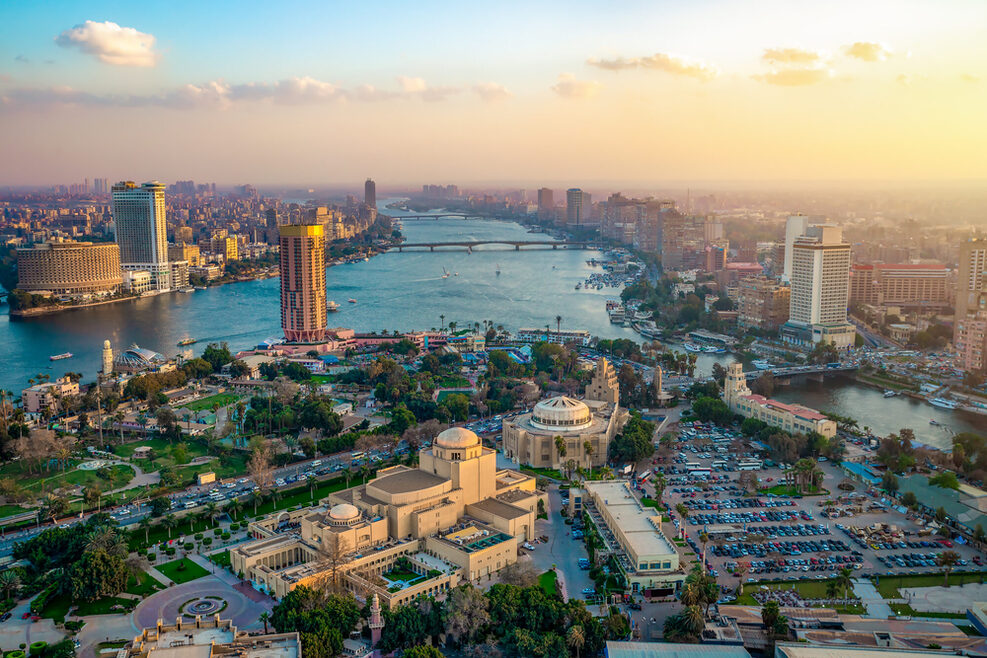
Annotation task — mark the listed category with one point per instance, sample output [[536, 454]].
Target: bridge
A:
[[460, 215], [517, 244], [795, 371]]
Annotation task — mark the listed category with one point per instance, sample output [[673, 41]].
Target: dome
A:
[[457, 437], [343, 512], [561, 413]]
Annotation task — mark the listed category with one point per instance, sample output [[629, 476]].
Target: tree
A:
[[844, 578], [946, 561], [265, 617], [421, 651], [10, 584], [259, 467], [909, 499], [96, 575], [321, 619], [467, 613], [145, 525], [234, 507], [946, 480], [889, 482], [575, 639], [770, 612], [53, 507], [169, 522], [211, 512]]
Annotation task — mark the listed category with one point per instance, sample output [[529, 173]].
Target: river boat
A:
[[710, 349], [200, 287], [692, 347], [59, 357], [934, 422], [762, 364], [351, 300], [187, 341], [188, 289], [579, 286], [890, 394], [332, 306], [943, 403], [497, 272], [445, 273]]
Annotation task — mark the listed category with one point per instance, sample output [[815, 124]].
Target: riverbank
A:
[[38, 311]]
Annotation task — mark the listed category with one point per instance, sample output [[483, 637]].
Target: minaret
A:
[[376, 621], [107, 359]]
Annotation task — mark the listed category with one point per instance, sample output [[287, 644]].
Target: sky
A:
[[328, 93]]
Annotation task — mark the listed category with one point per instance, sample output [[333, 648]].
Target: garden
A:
[[181, 571]]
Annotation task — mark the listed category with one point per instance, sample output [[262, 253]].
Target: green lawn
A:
[[120, 475], [543, 472], [11, 510], [652, 502], [58, 607], [807, 589], [905, 609], [787, 490], [300, 496], [177, 573], [888, 585], [205, 404], [548, 582], [146, 587], [221, 559]]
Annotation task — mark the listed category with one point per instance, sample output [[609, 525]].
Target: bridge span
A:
[[795, 371], [517, 244]]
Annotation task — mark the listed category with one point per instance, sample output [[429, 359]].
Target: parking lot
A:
[[779, 536]]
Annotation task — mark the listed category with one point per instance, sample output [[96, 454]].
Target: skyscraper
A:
[[272, 217], [970, 325], [303, 283], [794, 227], [820, 289], [546, 203], [139, 218], [370, 193], [574, 207]]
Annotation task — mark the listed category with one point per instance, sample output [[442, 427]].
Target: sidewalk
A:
[[872, 600]]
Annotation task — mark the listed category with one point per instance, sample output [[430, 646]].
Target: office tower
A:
[[303, 283], [972, 266], [574, 207], [794, 227], [546, 203], [820, 289], [139, 217], [970, 324], [370, 193], [272, 218], [70, 268]]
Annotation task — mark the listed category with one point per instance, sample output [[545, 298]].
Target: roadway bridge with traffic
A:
[[796, 371], [457, 215], [517, 244]]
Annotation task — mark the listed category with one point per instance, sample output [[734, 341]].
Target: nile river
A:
[[405, 291]]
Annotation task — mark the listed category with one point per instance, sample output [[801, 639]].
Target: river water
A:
[[406, 291]]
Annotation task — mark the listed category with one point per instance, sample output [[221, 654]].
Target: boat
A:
[[200, 287], [943, 403], [332, 306], [934, 422], [456, 274], [59, 357], [497, 272], [188, 289], [445, 273], [890, 394], [710, 349], [692, 347], [762, 364], [579, 286], [187, 341], [351, 300]]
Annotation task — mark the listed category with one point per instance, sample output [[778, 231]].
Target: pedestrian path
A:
[[871, 599]]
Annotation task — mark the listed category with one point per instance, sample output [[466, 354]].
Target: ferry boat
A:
[[332, 306], [943, 403], [692, 347], [187, 341], [711, 349], [351, 300], [762, 364], [59, 357], [617, 314]]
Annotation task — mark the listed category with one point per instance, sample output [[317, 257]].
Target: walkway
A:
[[872, 600]]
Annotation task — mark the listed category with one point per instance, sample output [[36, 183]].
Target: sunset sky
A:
[[320, 93]]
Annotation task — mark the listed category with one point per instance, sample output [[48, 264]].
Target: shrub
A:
[[151, 557], [170, 550], [234, 527], [189, 546], [217, 531], [226, 536], [38, 647], [16, 654], [207, 541], [198, 536]]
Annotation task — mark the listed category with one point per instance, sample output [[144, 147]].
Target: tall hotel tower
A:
[[303, 283], [139, 218]]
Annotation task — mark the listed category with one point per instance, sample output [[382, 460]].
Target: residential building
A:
[[303, 283], [141, 223], [546, 203], [762, 303], [563, 336], [921, 286], [71, 268], [585, 426], [186, 252], [455, 518], [970, 322], [370, 193], [795, 227], [793, 418], [43, 398], [576, 211], [820, 277]]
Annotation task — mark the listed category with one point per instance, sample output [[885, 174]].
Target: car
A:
[[5, 616], [588, 591], [634, 606]]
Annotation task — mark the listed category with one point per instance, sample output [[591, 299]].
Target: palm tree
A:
[[265, 617], [575, 638], [844, 578], [588, 451], [211, 512], [145, 525], [558, 324], [169, 522], [311, 485], [10, 584], [695, 620], [192, 518], [442, 319], [704, 539], [256, 497], [560, 447], [233, 507], [118, 417], [947, 560], [606, 472], [832, 590]]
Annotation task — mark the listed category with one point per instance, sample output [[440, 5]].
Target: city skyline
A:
[[715, 92]]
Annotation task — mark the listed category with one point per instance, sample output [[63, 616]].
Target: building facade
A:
[[762, 303], [186, 252], [908, 286], [793, 418], [141, 230], [71, 268], [546, 203], [303, 283], [970, 322], [795, 227], [820, 289], [575, 212], [370, 193], [43, 398]]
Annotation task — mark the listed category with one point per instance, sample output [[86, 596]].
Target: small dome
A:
[[343, 512], [106, 344], [562, 413], [457, 437]]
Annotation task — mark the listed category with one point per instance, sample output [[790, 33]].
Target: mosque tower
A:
[[376, 621], [107, 359]]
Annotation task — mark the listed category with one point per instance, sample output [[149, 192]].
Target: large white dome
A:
[[343, 512], [456, 437], [561, 414]]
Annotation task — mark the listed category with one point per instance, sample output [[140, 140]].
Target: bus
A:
[[357, 455], [749, 465], [691, 465], [719, 463], [700, 470], [643, 476]]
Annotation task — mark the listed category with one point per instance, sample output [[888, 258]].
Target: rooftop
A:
[[672, 650], [406, 481], [499, 508], [797, 410], [639, 525]]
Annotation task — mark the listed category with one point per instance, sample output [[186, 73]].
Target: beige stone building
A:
[[762, 303], [592, 422], [186, 252], [71, 268], [793, 418], [453, 518]]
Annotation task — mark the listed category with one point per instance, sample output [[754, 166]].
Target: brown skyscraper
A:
[[303, 283]]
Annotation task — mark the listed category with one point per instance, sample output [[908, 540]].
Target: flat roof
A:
[[808, 651], [632, 520], [672, 650], [405, 481], [500, 508]]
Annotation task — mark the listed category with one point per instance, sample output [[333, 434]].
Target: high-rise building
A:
[[970, 324], [186, 252], [762, 303], [907, 285], [272, 217], [794, 228], [820, 289], [574, 209], [370, 193], [139, 218], [972, 266], [70, 268], [303, 283], [546, 203]]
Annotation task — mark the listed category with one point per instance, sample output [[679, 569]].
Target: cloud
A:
[[492, 91], [790, 56], [968, 77], [411, 85], [111, 43], [795, 77], [21, 59], [569, 87], [868, 51], [664, 62]]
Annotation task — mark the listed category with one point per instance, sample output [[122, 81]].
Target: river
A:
[[406, 291]]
